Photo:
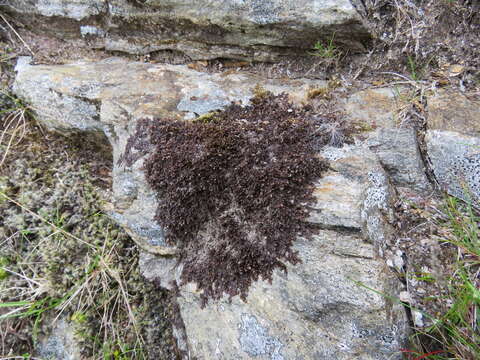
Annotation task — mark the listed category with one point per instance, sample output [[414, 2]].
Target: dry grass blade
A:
[[78, 291], [17, 34], [14, 130], [44, 220], [116, 276]]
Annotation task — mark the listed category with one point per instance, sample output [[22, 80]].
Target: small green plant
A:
[[326, 50], [206, 118], [454, 332], [79, 317], [4, 261], [413, 67], [418, 71]]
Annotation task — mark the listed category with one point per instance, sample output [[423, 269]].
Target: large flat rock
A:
[[317, 311], [256, 30], [323, 308]]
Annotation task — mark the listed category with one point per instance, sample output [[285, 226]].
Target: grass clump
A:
[[326, 50], [67, 262], [455, 333], [234, 193], [442, 249], [13, 123]]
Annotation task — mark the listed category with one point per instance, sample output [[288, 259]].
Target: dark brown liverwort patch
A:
[[233, 188]]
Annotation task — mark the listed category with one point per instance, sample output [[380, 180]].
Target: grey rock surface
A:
[[454, 111], [108, 97], [322, 308], [453, 144], [377, 107], [257, 30], [371, 208], [398, 151], [60, 343], [455, 161], [396, 146]]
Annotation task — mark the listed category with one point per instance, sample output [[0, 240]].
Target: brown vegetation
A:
[[234, 187]]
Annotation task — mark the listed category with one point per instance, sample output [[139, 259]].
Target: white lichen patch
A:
[[86, 30], [77, 10], [255, 341], [456, 163]]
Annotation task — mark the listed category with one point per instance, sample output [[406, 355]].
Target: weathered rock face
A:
[[374, 107], [321, 309], [61, 343], [257, 30], [453, 143], [316, 312], [395, 145]]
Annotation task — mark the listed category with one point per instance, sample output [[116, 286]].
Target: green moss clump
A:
[[260, 93], [234, 193], [315, 92], [206, 118], [4, 261]]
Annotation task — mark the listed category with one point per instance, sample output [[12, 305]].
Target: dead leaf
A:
[[455, 70], [197, 65]]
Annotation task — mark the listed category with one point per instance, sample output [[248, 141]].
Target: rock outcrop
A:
[[394, 143], [105, 98], [324, 308], [453, 143], [254, 30], [336, 303], [328, 306]]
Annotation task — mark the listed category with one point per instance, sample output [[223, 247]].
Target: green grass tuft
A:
[[326, 50], [455, 334]]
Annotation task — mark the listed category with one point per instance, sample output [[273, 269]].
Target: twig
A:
[[20, 117], [16, 33], [397, 74]]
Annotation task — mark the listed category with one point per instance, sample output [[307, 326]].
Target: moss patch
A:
[[233, 191], [75, 258]]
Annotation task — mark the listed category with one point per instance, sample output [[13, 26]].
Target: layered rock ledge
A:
[[254, 30]]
